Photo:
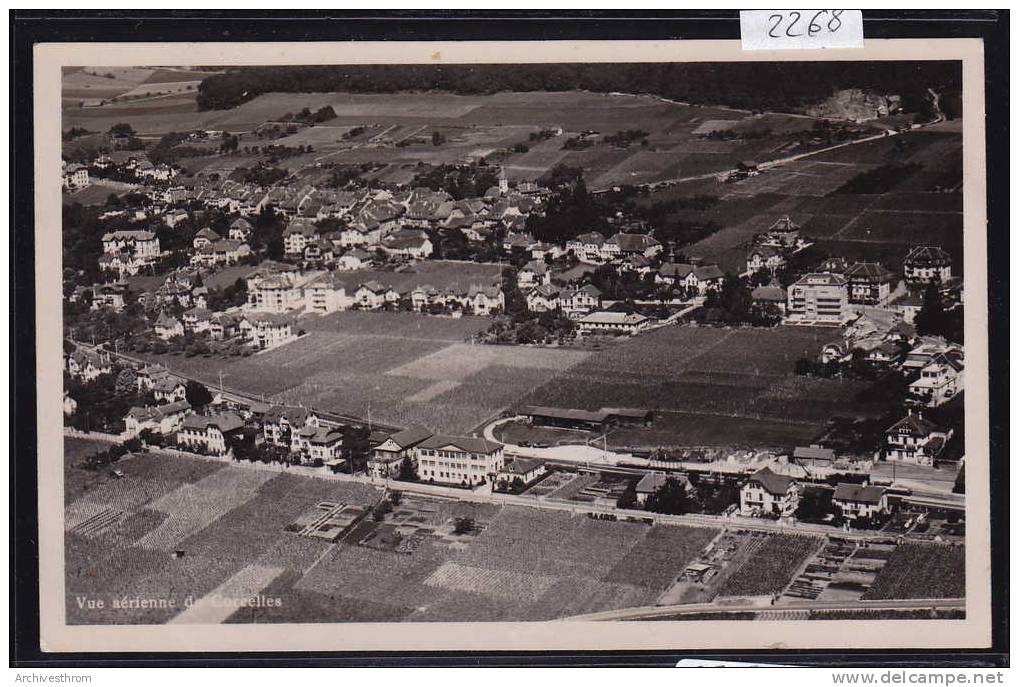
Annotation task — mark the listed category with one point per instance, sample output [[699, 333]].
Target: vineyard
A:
[[922, 571], [772, 561]]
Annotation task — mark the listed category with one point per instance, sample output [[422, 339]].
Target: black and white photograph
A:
[[609, 344]]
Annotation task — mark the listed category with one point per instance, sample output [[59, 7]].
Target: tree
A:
[[670, 498], [408, 471], [932, 319], [127, 381], [463, 525], [197, 394], [122, 129]]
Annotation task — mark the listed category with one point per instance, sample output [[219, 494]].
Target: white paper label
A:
[[800, 29]]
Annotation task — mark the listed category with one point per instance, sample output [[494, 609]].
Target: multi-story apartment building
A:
[[819, 298], [459, 460]]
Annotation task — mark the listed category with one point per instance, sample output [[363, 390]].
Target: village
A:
[[321, 322]]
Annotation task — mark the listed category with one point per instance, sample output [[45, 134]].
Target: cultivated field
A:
[[709, 386], [237, 538], [472, 125], [922, 571], [914, 209]]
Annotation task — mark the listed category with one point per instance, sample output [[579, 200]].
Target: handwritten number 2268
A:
[[813, 28]]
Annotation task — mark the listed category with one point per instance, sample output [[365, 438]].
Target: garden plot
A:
[[192, 507], [327, 520]]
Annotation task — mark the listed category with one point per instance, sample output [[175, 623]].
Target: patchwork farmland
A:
[[242, 536], [252, 531], [473, 126]]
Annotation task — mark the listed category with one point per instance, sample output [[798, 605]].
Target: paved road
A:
[[645, 612]]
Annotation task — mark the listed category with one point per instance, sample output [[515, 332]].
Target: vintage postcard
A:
[[492, 346]]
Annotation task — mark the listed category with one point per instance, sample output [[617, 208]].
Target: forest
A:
[[778, 86]]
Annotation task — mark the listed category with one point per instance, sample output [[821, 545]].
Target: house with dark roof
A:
[[88, 365], [215, 434], [316, 443], [768, 493], [205, 237], [697, 277], [526, 470], [297, 234], [587, 247], [409, 243], [764, 257], [915, 439], [857, 501], [162, 419], [622, 244], [925, 264], [167, 327], [387, 455], [280, 422], [648, 484], [169, 389], [869, 283], [467, 461]]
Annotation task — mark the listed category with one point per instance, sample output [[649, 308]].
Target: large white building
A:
[[820, 299], [459, 460]]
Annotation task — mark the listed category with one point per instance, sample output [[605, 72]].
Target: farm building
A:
[[598, 420], [606, 322], [814, 455], [386, 457], [860, 501], [769, 493], [458, 460]]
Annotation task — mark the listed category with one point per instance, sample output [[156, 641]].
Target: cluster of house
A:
[[278, 288], [126, 252], [933, 366], [912, 440], [767, 493], [839, 290], [771, 249], [261, 330]]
